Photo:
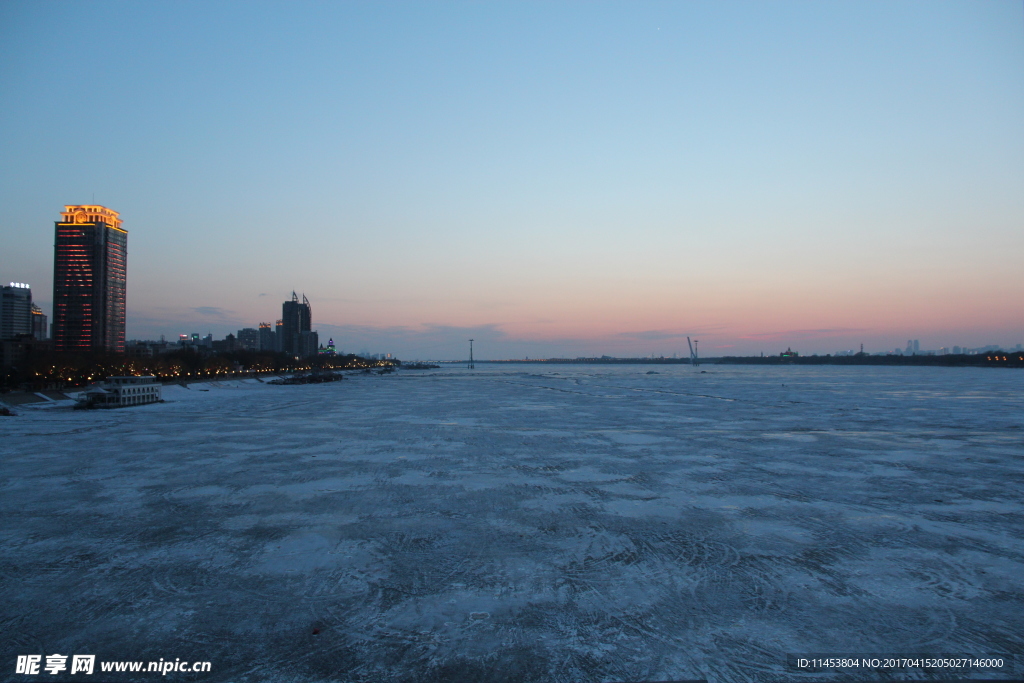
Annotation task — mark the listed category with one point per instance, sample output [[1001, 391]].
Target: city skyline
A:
[[550, 180]]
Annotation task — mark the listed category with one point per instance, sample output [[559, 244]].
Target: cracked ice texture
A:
[[535, 523]]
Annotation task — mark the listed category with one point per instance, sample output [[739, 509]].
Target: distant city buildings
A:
[[913, 348], [194, 341], [149, 349], [292, 334], [89, 307], [22, 325], [90, 263]]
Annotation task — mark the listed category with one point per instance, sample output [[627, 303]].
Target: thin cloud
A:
[[823, 332], [657, 335], [650, 335], [212, 311]]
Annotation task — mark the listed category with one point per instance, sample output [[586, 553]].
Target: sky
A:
[[551, 179]]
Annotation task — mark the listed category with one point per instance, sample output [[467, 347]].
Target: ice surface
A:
[[598, 524]]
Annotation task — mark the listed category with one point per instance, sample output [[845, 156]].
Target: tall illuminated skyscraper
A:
[[90, 263]]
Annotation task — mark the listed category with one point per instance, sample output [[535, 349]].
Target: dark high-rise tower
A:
[[296, 318], [90, 263], [266, 337]]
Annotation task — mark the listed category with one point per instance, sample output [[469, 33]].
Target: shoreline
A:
[[66, 398], [1013, 359]]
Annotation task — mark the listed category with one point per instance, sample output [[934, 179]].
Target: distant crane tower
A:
[[470, 354], [694, 360]]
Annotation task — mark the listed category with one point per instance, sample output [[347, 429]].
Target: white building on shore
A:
[[117, 392]]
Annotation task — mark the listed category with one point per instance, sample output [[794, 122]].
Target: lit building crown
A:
[[91, 213]]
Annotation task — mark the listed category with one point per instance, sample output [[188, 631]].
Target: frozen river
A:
[[530, 523]]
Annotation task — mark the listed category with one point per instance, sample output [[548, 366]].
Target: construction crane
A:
[[693, 352]]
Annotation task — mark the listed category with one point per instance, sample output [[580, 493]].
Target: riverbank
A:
[[15, 400], [1001, 359], [178, 389]]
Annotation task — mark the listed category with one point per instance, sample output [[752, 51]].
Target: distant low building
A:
[[148, 349], [308, 344], [15, 310], [249, 339], [228, 343], [16, 352], [195, 342], [330, 349], [39, 326]]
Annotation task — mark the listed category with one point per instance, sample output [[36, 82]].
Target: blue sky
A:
[[552, 178]]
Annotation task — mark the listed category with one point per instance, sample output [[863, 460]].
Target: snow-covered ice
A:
[[528, 523]]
